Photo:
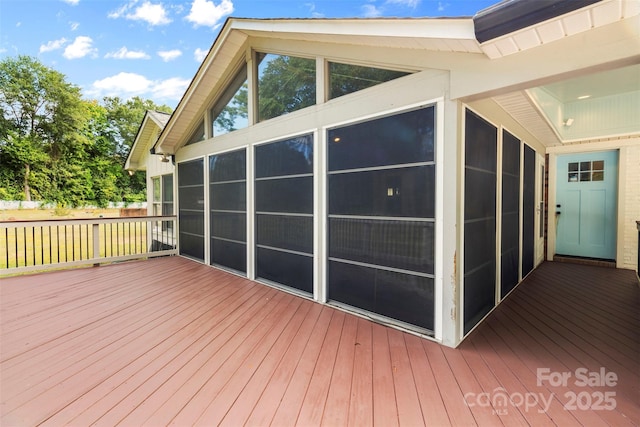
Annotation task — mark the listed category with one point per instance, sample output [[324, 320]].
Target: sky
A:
[[152, 48]]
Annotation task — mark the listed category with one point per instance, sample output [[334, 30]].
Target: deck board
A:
[[173, 342]]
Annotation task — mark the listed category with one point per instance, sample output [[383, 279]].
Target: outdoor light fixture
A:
[[165, 159], [568, 122], [130, 172]]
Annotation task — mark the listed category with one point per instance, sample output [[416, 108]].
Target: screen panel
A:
[[412, 135], [510, 241], [227, 210], [191, 208], [381, 216], [284, 200], [528, 210], [481, 139]]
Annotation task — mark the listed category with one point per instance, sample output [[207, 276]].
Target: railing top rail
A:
[[73, 221]]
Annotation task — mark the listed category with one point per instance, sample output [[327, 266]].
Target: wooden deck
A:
[[170, 341]]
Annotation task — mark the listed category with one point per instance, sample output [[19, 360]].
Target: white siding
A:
[[630, 156]]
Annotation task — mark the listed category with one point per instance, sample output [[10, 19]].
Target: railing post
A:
[[96, 242]]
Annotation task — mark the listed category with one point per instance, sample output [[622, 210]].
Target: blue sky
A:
[[152, 48]]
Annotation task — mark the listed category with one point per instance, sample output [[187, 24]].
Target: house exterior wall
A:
[[628, 193], [630, 172], [409, 92], [154, 168], [492, 113]]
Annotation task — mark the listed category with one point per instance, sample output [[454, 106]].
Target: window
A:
[[285, 84], [381, 195], [197, 135], [347, 78], [157, 193], [162, 195], [284, 212], [230, 111], [163, 234], [586, 171]]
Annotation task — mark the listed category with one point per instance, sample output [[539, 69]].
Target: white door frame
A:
[[540, 205]]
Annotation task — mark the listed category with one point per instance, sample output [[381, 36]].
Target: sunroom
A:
[[376, 165]]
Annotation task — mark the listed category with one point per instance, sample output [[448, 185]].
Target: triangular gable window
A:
[[229, 113], [346, 78], [198, 134]]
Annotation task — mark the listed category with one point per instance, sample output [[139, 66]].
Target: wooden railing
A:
[[28, 246]]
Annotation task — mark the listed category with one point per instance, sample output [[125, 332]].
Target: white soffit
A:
[[520, 107], [592, 16], [446, 34]]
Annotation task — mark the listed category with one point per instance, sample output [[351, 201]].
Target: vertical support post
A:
[[96, 242]]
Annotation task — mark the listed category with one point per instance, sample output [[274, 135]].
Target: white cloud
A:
[[370, 11], [81, 47], [169, 55], [126, 85], [172, 88], [200, 54], [206, 13], [409, 3], [74, 25], [52, 45], [312, 10], [153, 14], [124, 53], [72, 2]]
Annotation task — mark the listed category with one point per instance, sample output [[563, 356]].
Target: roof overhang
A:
[[434, 34], [552, 27], [540, 22], [152, 124]]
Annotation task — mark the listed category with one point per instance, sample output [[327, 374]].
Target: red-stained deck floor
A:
[[171, 341]]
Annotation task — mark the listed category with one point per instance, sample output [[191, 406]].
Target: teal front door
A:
[[586, 200]]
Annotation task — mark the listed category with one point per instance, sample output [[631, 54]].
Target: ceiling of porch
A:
[[598, 105]]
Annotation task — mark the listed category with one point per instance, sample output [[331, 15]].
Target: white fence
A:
[[28, 246], [19, 204]]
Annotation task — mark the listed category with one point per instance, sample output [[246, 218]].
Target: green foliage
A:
[[57, 147], [286, 84]]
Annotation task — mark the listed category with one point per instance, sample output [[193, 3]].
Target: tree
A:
[[40, 113], [287, 84], [55, 146], [124, 119]]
